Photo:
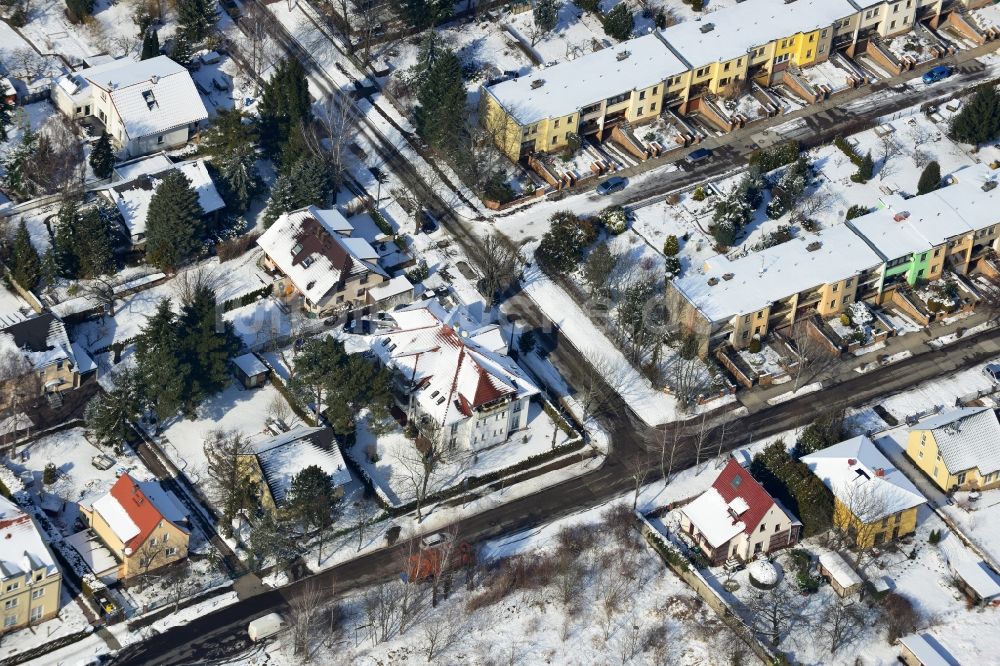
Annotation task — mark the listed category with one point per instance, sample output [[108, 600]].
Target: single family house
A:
[[958, 449]]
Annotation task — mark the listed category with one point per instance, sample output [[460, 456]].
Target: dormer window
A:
[[735, 483], [308, 261], [150, 99], [296, 249]]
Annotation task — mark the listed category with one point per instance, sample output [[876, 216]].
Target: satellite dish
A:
[[128, 550]]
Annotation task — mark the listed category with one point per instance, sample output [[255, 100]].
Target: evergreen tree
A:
[[284, 102], [102, 157], [158, 362], [150, 45], [305, 183], [109, 415], [311, 498], [79, 10], [18, 165], [230, 142], [546, 15], [282, 200], [866, 168], [618, 22], [207, 345], [65, 243], [6, 111], [271, 542], [563, 244], [979, 119], [94, 244], [27, 265], [422, 14], [50, 268], [671, 246], [930, 178], [181, 51], [197, 19], [441, 104], [173, 223]]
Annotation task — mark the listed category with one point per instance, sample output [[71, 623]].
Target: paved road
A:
[[221, 633]]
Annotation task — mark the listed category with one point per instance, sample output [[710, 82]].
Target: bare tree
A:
[[688, 378], [278, 408], [499, 262], [701, 442], [890, 148], [178, 584], [602, 380], [440, 632], [58, 165], [188, 283], [864, 508], [612, 592], [842, 623], [811, 354], [336, 128], [774, 611], [810, 205], [380, 603], [305, 619], [639, 464], [229, 485], [418, 467], [150, 556], [989, 301], [665, 441], [628, 640], [254, 44]]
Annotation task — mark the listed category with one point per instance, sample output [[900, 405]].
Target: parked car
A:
[[937, 74], [428, 223], [698, 155], [359, 326], [611, 185], [102, 461], [265, 627], [992, 370]]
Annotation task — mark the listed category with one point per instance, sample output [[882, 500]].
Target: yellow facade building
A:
[[959, 449], [873, 501], [679, 67], [30, 582]]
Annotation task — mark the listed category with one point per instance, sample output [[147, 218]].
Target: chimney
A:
[[623, 55], [899, 217], [154, 79], [880, 472], [708, 27], [537, 83], [851, 462]]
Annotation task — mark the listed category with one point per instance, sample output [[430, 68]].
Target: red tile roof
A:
[[139, 508], [757, 499]]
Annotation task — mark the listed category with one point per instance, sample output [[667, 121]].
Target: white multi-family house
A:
[[145, 106], [454, 379]]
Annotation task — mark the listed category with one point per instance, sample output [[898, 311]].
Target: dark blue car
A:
[[611, 185], [937, 74]]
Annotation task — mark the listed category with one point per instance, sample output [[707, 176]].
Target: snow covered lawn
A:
[[70, 621], [397, 475], [979, 519]]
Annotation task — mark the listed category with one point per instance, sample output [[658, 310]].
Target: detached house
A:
[[959, 449], [42, 340], [453, 377], [873, 501], [276, 461], [30, 582], [736, 519], [145, 106], [325, 267], [144, 526]]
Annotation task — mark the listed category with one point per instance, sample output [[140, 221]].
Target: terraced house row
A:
[[945, 233], [678, 67]]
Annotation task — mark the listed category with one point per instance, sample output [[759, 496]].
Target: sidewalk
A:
[[901, 348]]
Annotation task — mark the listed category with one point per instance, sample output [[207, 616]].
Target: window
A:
[[171, 552], [724, 81], [638, 111], [12, 586], [762, 526], [652, 107], [822, 34], [737, 480], [746, 320], [937, 252], [845, 299], [833, 304], [935, 471], [961, 478], [642, 95], [777, 527], [701, 72], [920, 454], [746, 334], [38, 593], [809, 53], [725, 67], [555, 124], [760, 315], [152, 542], [10, 621], [756, 330], [36, 613], [835, 288], [10, 603], [782, 58], [923, 257], [159, 139]]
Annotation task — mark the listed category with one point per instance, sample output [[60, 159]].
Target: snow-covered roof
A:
[[979, 577], [282, 457], [572, 85], [143, 166], [838, 568], [453, 364], [132, 198], [902, 227], [250, 365], [84, 362], [315, 250], [735, 503], [133, 509], [41, 339], [966, 438], [94, 553], [23, 548], [13, 308], [710, 514], [761, 278], [397, 286], [926, 652], [863, 479], [738, 29], [151, 96]]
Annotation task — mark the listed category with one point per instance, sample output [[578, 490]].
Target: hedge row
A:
[[292, 402], [248, 298], [769, 159]]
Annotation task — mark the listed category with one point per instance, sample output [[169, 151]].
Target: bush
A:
[[618, 22], [235, 247], [563, 244], [573, 142], [806, 583], [856, 210], [380, 222], [673, 199], [934, 537], [614, 219], [899, 616], [845, 319], [699, 193], [930, 178], [754, 345], [671, 267], [671, 246], [866, 168], [769, 159], [49, 474], [499, 190], [592, 6], [979, 119], [418, 273]]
